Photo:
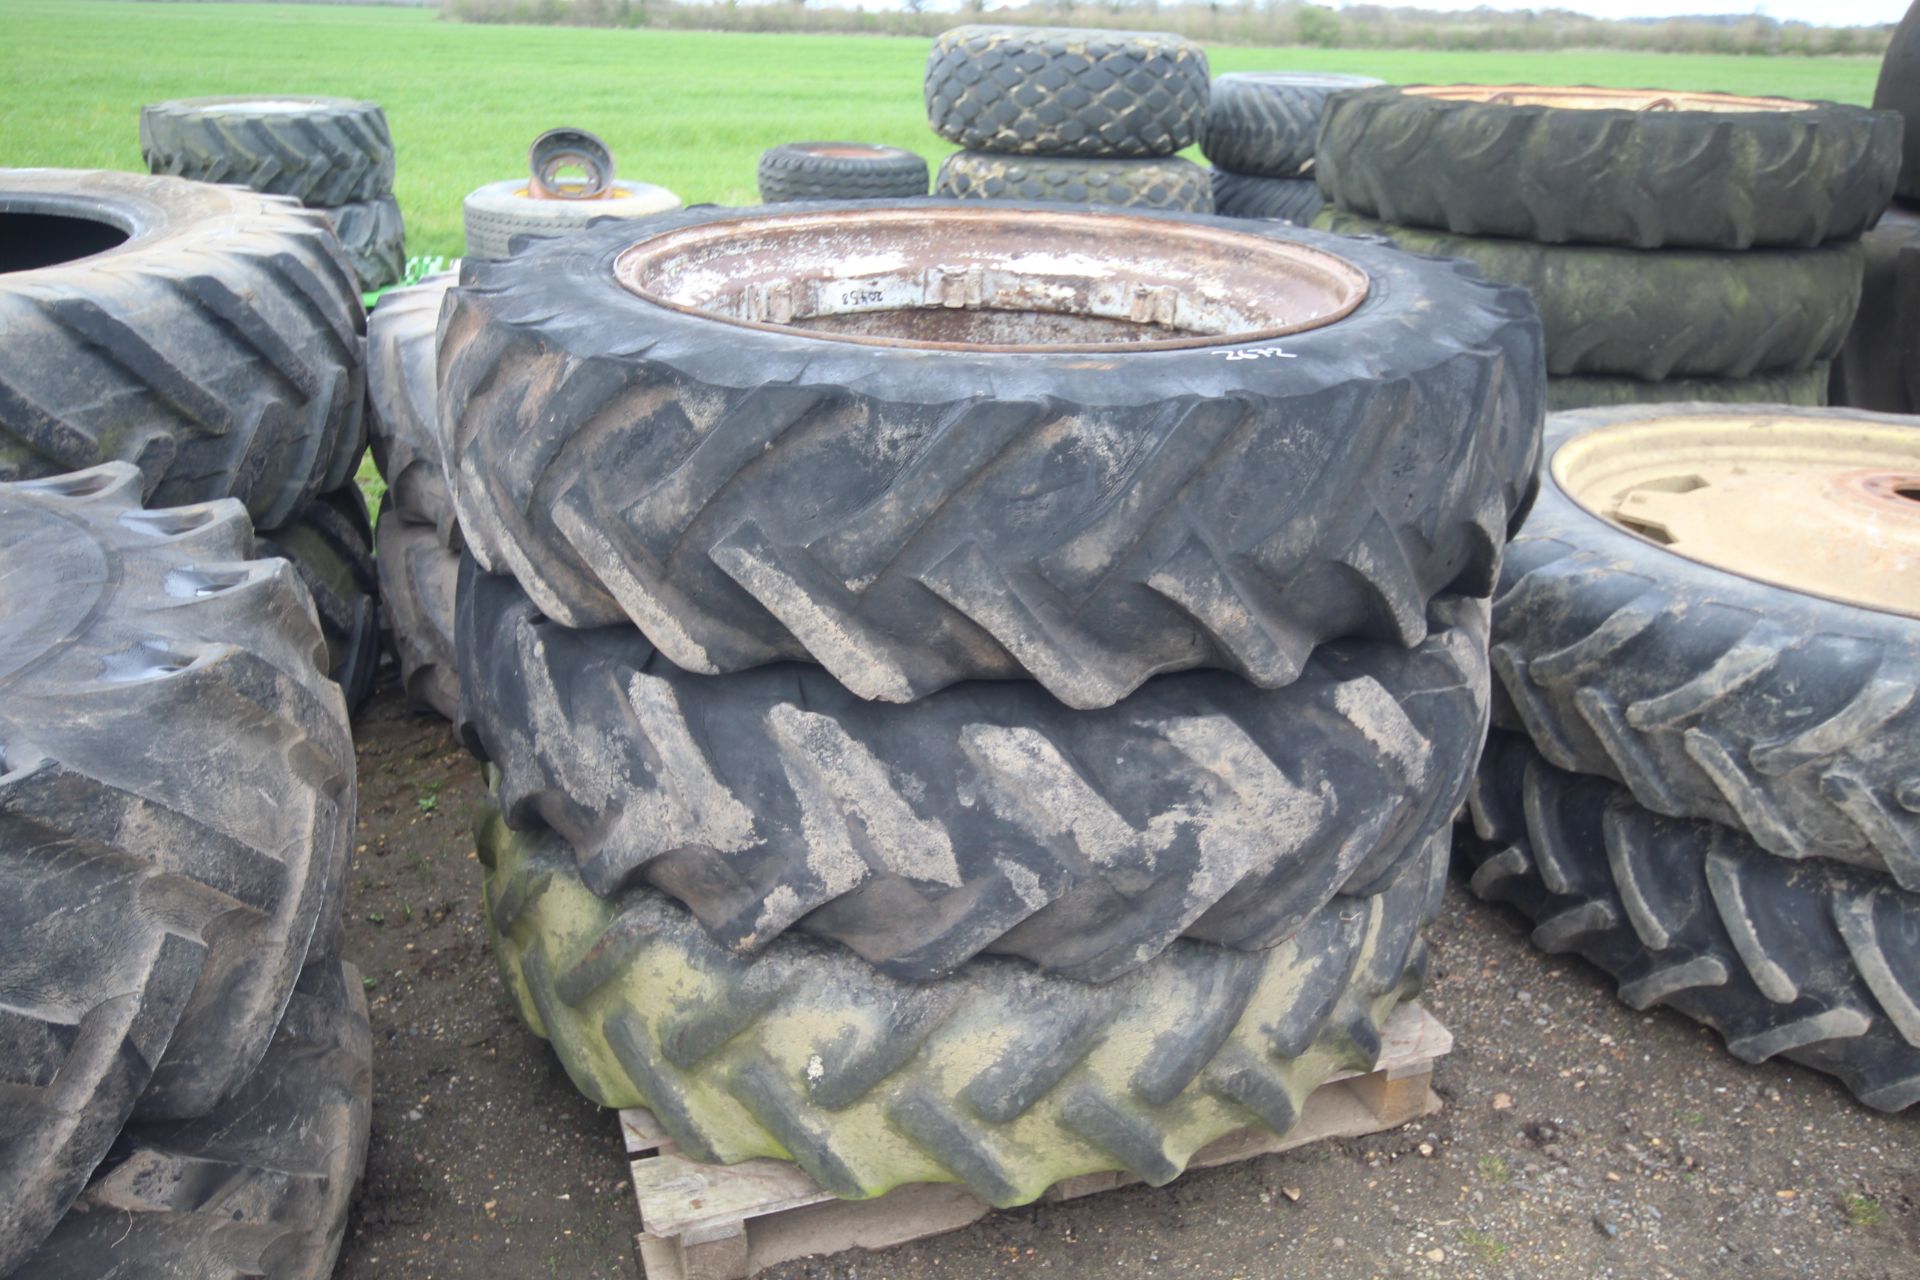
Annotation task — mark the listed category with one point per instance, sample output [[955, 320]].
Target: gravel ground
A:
[[1580, 1139]]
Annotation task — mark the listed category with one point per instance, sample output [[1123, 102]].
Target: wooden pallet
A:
[[727, 1222]]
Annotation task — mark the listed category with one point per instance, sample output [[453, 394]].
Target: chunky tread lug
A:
[[418, 577], [260, 1187], [804, 171], [1238, 195], [403, 429], [1812, 961], [999, 1077], [1264, 123], [335, 153], [157, 913], [1643, 179], [1066, 92], [330, 545], [774, 495], [375, 240], [220, 349], [1676, 313], [1709, 694], [986, 817]]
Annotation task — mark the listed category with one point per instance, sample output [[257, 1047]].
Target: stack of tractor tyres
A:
[[1260, 133], [968, 764], [419, 538], [497, 214], [330, 154], [840, 171], [175, 1004], [1070, 115], [1879, 368], [1705, 770], [1709, 254], [329, 542]]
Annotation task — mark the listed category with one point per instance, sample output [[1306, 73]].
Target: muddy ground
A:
[[1580, 1139]]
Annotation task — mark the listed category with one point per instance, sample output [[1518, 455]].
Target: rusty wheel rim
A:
[[1825, 506], [994, 280], [1585, 98]]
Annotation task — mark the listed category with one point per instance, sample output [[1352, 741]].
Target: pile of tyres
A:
[[1680, 246], [984, 772], [331, 154], [180, 365], [1070, 115], [1260, 135], [1879, 368], [571, 181]]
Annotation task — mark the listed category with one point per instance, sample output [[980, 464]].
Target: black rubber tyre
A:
[[986, 817], [418, 577], [219, 347], [1000, 1078], [1237, 195], [402, 429], [1710, 694], [320, 151], [1807, 389], [156, 911], [1809, 961], [840, 171], [1672, 313], [1169, 184], [1221, 537], [1880, 364], [259, 1188], [1263, 123], [1051, 91], [1899, 90], [498, 214], [330, 542], [1646, 179], [375, 240]]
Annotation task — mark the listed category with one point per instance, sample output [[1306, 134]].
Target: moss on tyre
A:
[[1744, 688], [330, 544], [840, 171], [999, 1077], [985, 817], [1066, 91], [902, 494], [1672, 314], [1811, 961], [1264, 123], [1645, 168], [157, 914], [374, 238], [320, 151], [1171, 183], [260, 1187], [1808, 389], [211, 336], [418, 575]]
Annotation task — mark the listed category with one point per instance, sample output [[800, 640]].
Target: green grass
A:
[[688, 110]]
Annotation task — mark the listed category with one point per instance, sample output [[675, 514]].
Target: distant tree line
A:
[[1252, 22]]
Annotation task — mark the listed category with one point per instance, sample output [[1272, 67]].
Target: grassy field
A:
[[689, 110]]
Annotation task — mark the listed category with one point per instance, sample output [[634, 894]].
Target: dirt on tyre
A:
[[155, 682], [1069, 491], [1899, 90], [1652, 628], [211, 336], [1810, 961], [320, 151], [1052, 91], [330, 544], [289, 1148], [840, 171], [1659, 316], [986, 817], [1295, 200], [1169, 184], [1000, 1078], [418, 576], [1264, 123], [1645, 168], [1808, 389], [403, 434]]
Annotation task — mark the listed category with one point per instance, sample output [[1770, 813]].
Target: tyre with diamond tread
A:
[[913, 517], [999, 1077], [320, 151], [289, 1148], [1810, 961], [1171, 183], [157, 912], [1048, 91], [211, 336], [985, 817], [1641, 168]]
